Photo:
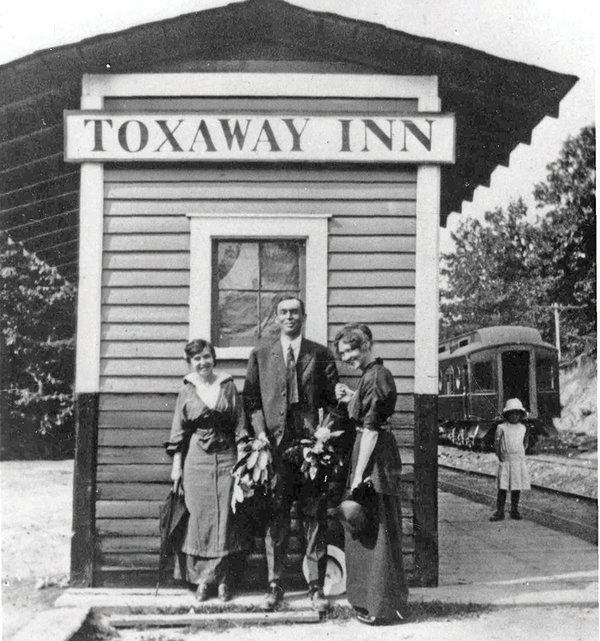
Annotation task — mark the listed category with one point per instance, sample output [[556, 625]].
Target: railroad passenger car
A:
[[479, 371]]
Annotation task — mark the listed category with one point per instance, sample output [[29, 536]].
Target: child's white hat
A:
[[514, 405]]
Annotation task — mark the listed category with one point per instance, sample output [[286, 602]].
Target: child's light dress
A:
[[512, 472]]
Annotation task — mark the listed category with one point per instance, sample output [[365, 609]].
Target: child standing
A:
[[509, 443]]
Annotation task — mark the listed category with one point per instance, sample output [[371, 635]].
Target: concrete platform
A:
[[504, 563]]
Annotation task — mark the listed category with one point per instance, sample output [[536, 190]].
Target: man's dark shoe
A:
[[497, 516], [318, 600], [515, 515], [273, 598]]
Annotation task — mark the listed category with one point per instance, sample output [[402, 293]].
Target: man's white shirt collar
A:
[[285, 343]]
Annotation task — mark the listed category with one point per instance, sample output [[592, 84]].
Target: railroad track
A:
[[574, 514], [588, 465]]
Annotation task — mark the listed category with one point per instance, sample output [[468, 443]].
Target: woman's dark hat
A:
[[353, 516], [357, 512]]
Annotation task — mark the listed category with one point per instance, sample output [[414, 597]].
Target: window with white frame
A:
[[241, 264], [249, 278]]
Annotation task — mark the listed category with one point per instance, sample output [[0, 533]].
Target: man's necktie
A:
[[292, 378]]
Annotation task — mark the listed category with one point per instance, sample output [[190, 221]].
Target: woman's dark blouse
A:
[[371, 406], [375, 398], [217, 429]]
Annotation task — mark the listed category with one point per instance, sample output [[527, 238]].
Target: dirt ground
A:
[[556, 623], [36, 524], [36, 498]]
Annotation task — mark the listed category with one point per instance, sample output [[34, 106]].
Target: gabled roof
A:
[[497, 102]]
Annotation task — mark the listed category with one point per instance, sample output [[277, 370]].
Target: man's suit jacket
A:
[[265, 389]]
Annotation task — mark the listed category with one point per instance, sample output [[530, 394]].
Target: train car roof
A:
[[487, 337]]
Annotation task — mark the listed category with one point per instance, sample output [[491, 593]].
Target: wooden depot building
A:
[[185, 171]]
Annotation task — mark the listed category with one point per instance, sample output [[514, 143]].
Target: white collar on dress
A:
[[194, 378], [208, 394]]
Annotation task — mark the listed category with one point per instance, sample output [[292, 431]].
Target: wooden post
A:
[[83, 541], [425, 497], [426, 375]]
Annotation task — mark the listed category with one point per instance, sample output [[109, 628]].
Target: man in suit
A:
[[287, 382]]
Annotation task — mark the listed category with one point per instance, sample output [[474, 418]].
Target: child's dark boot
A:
[[515, 495], [498, 515]]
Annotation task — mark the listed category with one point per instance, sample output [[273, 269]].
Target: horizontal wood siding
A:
[[145, 292]]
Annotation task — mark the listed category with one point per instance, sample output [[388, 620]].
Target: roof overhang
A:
[[497, 102]]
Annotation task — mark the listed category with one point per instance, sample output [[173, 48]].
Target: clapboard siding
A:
[[356, 244], [376, 278], [174, 208], [160, 384], [135, 242], [145, 296], [174, 349], [144, 331], [142, 349], [133, 455], [146, 278], [314, 190], [166, 403], [146, 242], [146, 260]]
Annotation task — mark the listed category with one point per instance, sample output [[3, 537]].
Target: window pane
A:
[[237, 265], [483, 377], [545, 374], [279, 265], [237, 321], [268, 308]]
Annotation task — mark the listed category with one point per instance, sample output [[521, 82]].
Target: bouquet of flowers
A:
[[254, 471], [316, 455]]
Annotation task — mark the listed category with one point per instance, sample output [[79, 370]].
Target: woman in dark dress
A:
[[207, 424], [376, 586]]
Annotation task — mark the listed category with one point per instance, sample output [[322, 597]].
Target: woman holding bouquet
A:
[[207, 425], [376, 586]]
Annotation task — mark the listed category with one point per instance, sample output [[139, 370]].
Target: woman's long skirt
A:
[[214, 536], [375, 576]]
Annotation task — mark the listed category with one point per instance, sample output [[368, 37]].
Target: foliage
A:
[[494, 276], [37, 328], [569, 230], [509, 269]]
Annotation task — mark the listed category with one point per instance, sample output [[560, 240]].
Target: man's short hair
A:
[[285, 297]]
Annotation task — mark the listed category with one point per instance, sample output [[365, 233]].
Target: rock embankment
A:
[[578, 397]]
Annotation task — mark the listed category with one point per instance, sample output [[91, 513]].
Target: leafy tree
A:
[[509, 270], [494, 276], [37, 334], [568, 197]]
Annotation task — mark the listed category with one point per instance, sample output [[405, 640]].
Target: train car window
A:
[[545, 374], [449, 381], [483, 377]]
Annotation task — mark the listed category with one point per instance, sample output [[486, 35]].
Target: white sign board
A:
[[99, 136]]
